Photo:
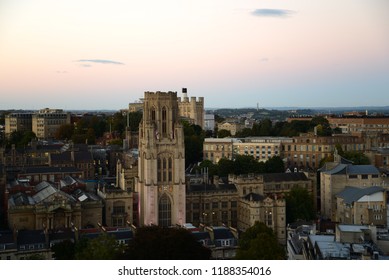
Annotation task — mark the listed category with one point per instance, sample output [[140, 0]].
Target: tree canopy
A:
[[104, 247], [299, 205], [259, 243], [194, 138], [158, 243]]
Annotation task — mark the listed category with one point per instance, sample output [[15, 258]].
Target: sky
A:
[[104, 54]]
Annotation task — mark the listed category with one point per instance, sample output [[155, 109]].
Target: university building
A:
[[161, 163]]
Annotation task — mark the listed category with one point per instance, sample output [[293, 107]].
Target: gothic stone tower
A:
[[161, 166]]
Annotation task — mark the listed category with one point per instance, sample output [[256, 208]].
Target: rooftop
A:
[[352, 194]]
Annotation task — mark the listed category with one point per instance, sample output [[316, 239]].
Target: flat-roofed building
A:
[[46, 122], [354, 124], [214, 149], [261, 148], [18, 121]]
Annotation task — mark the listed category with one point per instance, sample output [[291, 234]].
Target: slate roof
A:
[[6, 237], [31, 237], [202, 236], [353, 169], [43, 191], [222, 233], [20, 199], [362, 169], [352, 194], [49, 169], [280, 177]]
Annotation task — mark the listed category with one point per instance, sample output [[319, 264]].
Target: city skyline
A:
[[104, 55]]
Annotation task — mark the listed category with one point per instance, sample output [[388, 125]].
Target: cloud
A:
[[101, 61], [85, 65], [272, 13], [61, 72], [264, 59]]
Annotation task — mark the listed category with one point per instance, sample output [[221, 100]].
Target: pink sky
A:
[[104, 54]]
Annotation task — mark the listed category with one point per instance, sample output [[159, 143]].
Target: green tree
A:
[[212, 168], [245, 132], [299, 205], [20, 139], [222, 133], [64, 250], [219, 119], [274, 165], [157, 243], [104, 247], [118, 123], [225, 167], [265, 127], [91, 136], [358, 158], [65, 131], [322, 126], [134, 120], [194, 139], [259, 243], [244, 164]]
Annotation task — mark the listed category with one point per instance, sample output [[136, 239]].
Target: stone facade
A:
[[336, 176], [161, 164], [52, 209], [191, 108]]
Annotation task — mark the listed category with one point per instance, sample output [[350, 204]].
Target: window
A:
[[365, 177], [153, 114], [196, 205], [352, 176], [118, 210], [164, 211], [117, 221], [215, 205], [164, 122], [233, 204], [224, 204]]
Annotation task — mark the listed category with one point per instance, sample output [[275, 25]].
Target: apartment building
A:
[[307, 150], [18, 122], [214, 149], [355, 124], [261, 148], [46, 122]]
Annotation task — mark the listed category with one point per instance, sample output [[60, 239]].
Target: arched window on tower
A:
[[164, 211]]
